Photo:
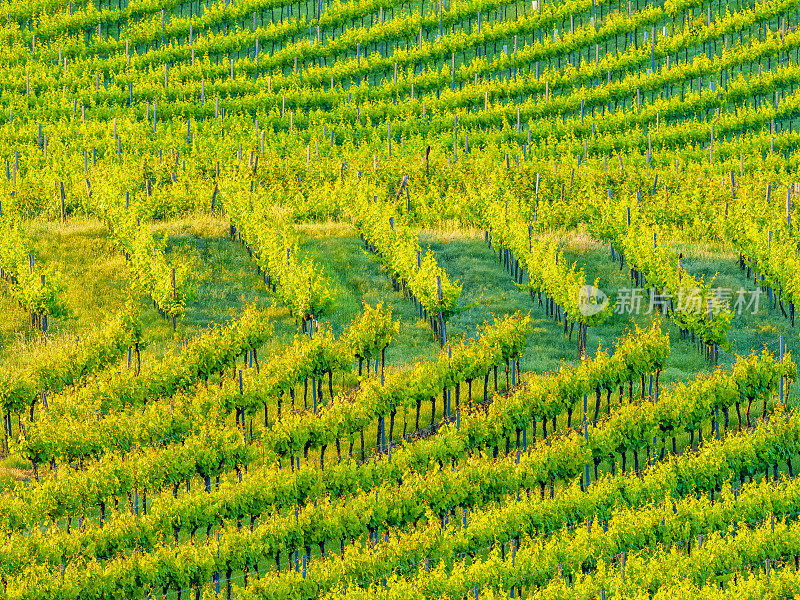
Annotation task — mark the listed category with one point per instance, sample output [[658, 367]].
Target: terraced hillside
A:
[[382, 299]]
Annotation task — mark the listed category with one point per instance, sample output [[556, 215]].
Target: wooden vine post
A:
[[442, 330], [174, 297]]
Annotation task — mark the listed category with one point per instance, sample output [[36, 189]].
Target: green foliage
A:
[[38, 289], [400, 251], [58, 367], [370, 332], [297, 281]]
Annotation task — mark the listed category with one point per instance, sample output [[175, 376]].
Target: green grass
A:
[[96, 281], [93, 275], [749, 330], [358, 278], [469, 258], [225, 281]]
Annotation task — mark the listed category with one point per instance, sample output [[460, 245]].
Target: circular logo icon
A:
[[591, 300]]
